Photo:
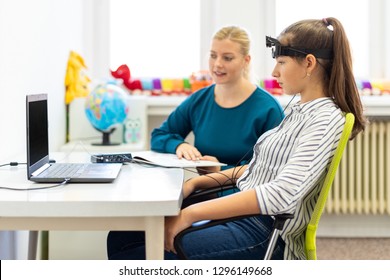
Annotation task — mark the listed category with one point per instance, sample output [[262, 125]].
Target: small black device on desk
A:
[[111, 158]]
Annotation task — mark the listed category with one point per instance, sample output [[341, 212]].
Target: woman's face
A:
[[226, 62], [290, 74]]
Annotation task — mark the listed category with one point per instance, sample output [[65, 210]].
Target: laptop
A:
[[39, 167]]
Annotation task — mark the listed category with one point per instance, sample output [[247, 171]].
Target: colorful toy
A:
[[164, 86], [76, 83], [123, 73], [200, 80], [132, 130], [272, 86]]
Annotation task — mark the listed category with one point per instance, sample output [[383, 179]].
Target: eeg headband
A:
[[278, 49]]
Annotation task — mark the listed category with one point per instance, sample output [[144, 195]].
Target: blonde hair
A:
[[239, 36]]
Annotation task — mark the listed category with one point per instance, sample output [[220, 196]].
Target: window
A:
[[155, 38], [353, 15]]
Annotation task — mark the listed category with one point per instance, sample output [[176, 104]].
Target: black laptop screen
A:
[[37, 130]]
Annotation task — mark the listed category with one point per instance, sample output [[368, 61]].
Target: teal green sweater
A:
[[228, 134]]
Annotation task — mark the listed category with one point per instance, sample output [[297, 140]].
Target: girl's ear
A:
[[311, 62]]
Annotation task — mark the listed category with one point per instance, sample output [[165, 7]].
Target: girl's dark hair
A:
[[329, 33]]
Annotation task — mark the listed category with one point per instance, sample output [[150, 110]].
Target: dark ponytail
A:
[[328, 33], [342, 83]]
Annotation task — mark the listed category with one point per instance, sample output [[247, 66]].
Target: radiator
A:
[[362, 182]]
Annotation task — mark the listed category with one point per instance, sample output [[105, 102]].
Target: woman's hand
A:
[[208, 169], [187, 151], [174, 225]]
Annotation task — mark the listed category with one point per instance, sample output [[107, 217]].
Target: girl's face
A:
[[290, 74], [226, 62]]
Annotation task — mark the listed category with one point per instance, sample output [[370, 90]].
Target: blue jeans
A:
[[245, 239]]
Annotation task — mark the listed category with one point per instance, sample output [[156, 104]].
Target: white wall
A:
[[35, 39]]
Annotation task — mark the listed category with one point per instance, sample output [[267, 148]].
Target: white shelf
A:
[[164, 105], [87, 146], [144, 108], [376, 105]]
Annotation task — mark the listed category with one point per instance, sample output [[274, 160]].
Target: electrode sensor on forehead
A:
[[278, 50]]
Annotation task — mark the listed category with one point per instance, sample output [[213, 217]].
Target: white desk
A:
[[138, 199]]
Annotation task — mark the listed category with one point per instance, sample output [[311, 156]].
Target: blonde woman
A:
[[227, 117]]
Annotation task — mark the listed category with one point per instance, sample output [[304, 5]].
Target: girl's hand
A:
[[188, 151], [188, 188], [174, 225]]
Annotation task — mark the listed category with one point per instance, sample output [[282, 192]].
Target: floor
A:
[[353, 248]]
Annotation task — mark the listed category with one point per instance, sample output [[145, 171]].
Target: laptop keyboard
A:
[[66, 170]]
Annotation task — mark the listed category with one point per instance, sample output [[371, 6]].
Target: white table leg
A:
[[154, 238]]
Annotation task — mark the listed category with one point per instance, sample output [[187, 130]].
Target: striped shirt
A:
[[290, 163]]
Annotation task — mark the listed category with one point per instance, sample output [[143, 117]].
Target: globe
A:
[[106, 108]]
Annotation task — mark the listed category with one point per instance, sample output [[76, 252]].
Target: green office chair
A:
[[310, 241], [311, 230]]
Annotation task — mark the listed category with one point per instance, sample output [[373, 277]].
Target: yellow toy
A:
[[76, 81]]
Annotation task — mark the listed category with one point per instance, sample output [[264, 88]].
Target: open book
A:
[[170, 160]]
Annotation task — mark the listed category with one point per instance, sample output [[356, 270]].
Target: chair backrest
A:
[[310, 242]]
